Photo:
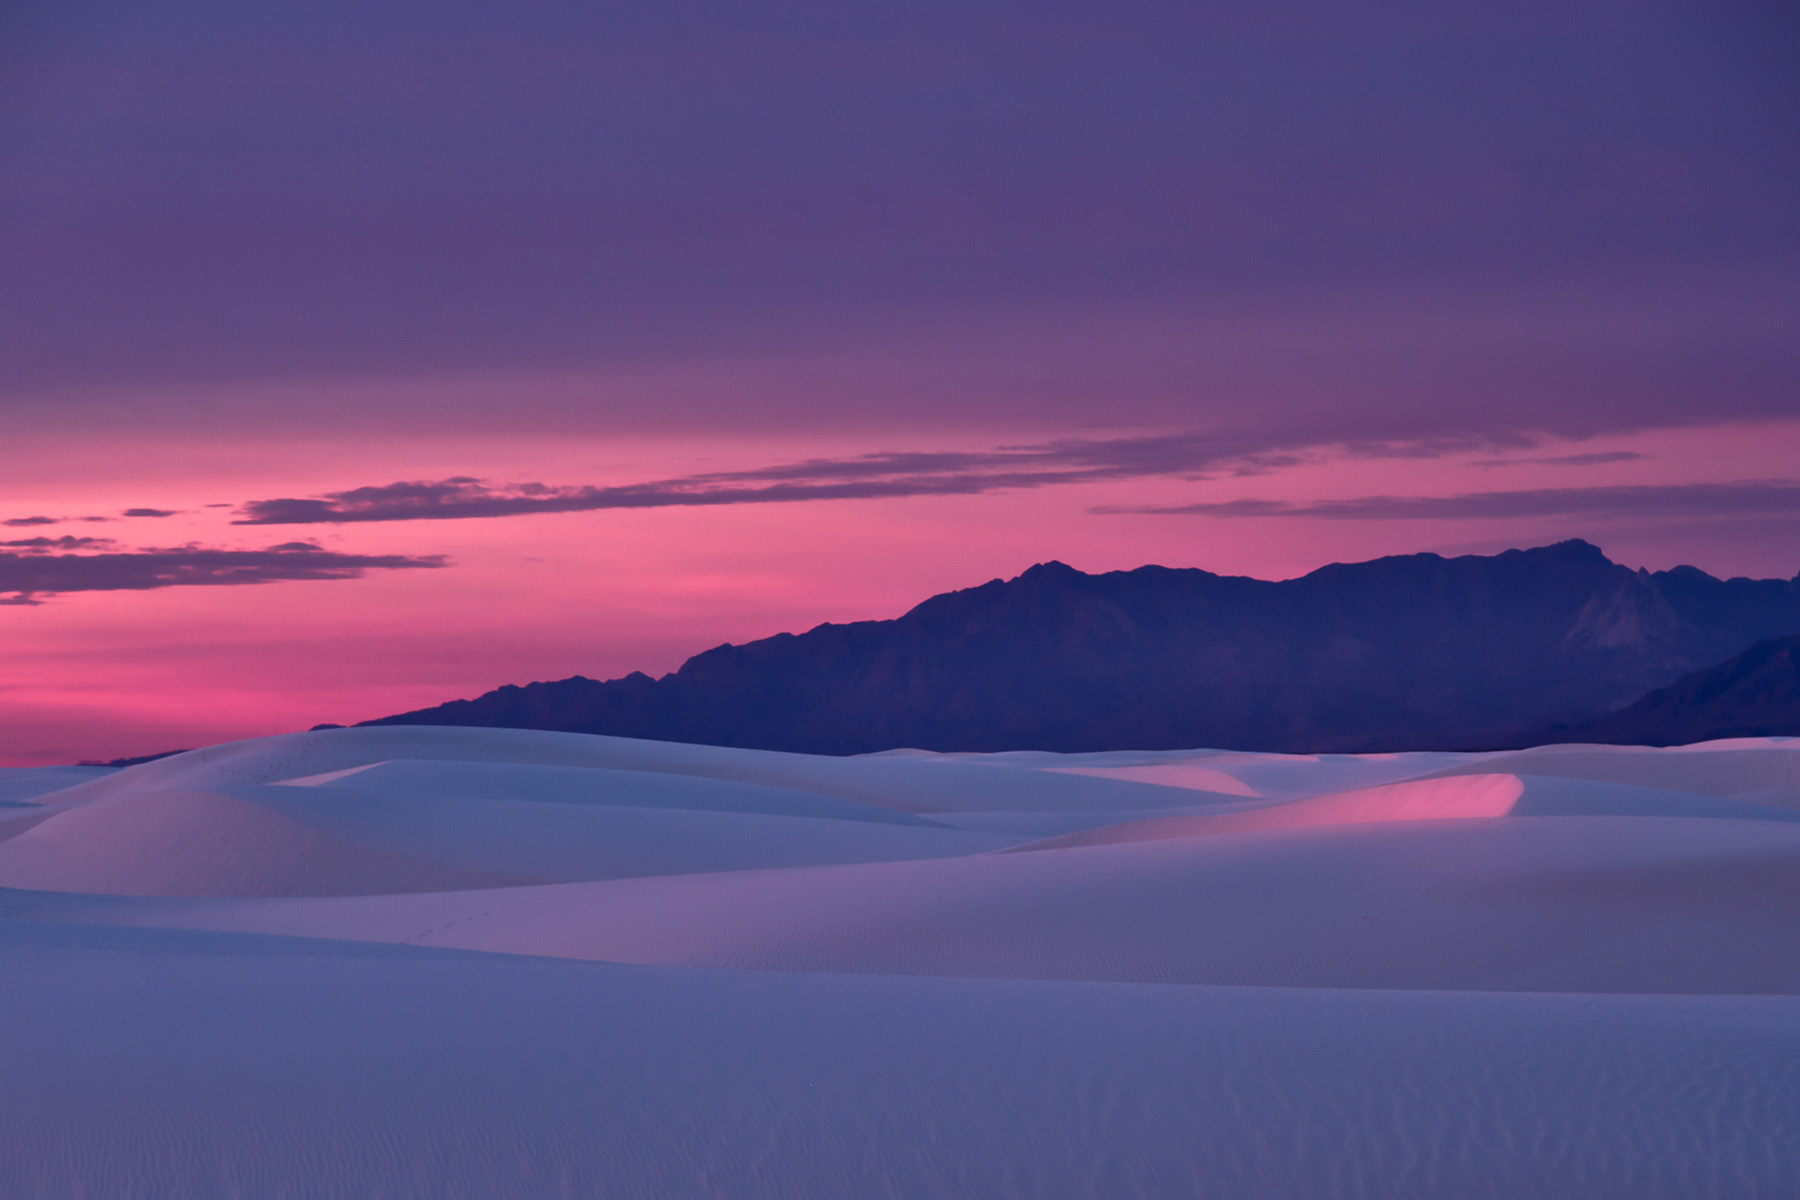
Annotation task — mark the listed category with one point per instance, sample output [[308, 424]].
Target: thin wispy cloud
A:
[[1601, 459], [863, 477], [29, 575], [28, 522], [1749, 498], [1590, 460], [151, 512], [43, 545]]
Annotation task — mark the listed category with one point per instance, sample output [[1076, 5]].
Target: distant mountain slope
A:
[[1754, 694], [1413, 652]]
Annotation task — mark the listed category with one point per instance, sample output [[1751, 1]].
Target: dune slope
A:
[[494, 963]]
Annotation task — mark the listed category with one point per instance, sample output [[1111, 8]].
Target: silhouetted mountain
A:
[[1409, 652], [1754, 694]]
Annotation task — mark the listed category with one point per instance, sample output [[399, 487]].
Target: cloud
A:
[[26, 522], [1590, 460], [915, 178], [66, 542], [25, 578], [863, 477], [1568, 460], [150, 512], [454, 499], [1749, 498]]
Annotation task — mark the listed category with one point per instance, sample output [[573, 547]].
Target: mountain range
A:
[[1403, 653], [1753, 694]]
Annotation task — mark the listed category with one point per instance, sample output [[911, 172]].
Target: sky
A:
[[355, 357]]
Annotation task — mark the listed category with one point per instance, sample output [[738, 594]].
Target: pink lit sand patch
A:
[[1462, 798]]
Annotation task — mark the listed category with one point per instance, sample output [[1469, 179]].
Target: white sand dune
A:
[[1459, 798], [1232, 772], [1435, 798], [203, 1065], [490, 963], [592, 785], [274, 841], [1197, 776], [920, 783], [22, 785], [16, 819], [1768, 773], [1567, 904], [194, 843]]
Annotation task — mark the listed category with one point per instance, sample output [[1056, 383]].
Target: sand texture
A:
[[438, 962]]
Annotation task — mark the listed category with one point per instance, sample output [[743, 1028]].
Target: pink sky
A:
[[108, 673], [1419, 277]]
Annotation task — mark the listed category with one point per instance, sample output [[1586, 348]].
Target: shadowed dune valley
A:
[[432, 961]]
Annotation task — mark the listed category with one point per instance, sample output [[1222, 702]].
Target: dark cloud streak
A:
[[865, 477], [1750, 498], [1602, 459], [28, 522], [66, 542], [1590, 460], [25, 578]]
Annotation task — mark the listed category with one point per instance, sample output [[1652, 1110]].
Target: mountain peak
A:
[[1462, 653], [1572, 550], [1053, 569]]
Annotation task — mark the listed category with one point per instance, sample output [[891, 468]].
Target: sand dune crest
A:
[[1465, 797], [191, 843]]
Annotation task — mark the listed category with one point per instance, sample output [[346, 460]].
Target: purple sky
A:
[[980, 283]]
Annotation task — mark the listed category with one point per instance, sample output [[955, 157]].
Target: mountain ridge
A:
[[1752, 694], [1407, 652]]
